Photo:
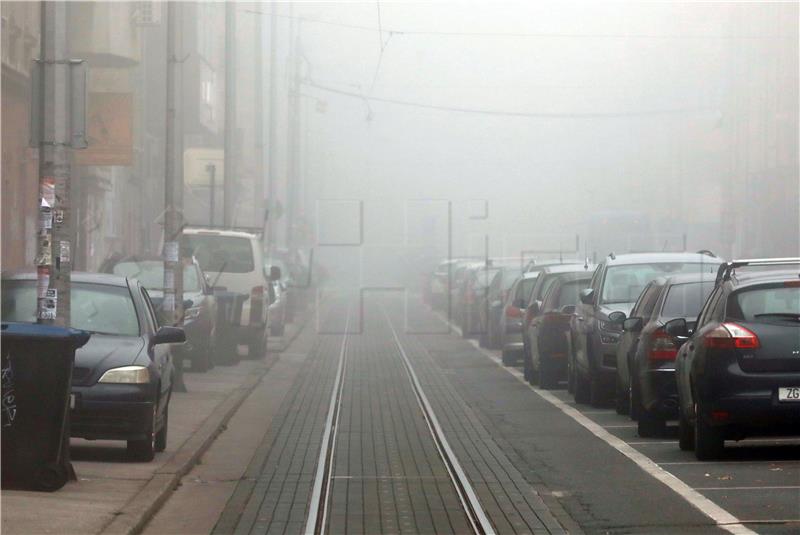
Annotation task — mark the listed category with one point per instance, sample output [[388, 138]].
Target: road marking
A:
[[742, 462], [466, 493], [318, 511], [618, 426], [778, 487], [647, 442], [720, 516]]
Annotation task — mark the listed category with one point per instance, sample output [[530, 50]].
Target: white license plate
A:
[[791, 393], [72, 401]]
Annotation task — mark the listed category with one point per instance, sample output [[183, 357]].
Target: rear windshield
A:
[[686, 300], [96, 308], [151, 274], [768, 303], [215, 253], [623, 284]]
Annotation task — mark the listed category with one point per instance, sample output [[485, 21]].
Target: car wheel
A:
[[685, 434], [581, 388], [160, 443], [526, 364], [258, 349], [634, 401], [597, 396], [709, 441], [144, 450], [620, 399], [570, 377], [649, 426], [548, 378]]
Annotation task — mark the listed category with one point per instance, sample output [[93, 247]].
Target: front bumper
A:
[[112, 412]]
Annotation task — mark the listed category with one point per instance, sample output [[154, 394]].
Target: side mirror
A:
[[274, 273], [632, 324], [169, 335], [568, 309], [677, 328], [587, 296], [616, 317]]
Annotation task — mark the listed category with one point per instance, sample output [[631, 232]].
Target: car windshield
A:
[[759, 304], [686, 300], [623, 284], [569, 292], [151, 274], [217, 253], [97, 308]]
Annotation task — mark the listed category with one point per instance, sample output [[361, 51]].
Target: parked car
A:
[[475, 287], [738, 374], [646, 353], [199, 306], [548, 275], [513, 313], [233, 260], [457, 287], [615, 286], [439, 283], [548, 331], [491, 310], [122, 378]]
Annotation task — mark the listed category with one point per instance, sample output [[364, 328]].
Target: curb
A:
[[134, 515]]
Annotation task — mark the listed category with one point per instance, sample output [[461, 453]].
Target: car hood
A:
[[103, 352]]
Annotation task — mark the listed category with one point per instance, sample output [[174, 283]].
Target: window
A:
[[765, 303], [151, 274], [686, 300], [623, 284], [216, 253]]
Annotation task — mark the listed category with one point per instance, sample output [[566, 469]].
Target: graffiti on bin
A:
[[9, 401]]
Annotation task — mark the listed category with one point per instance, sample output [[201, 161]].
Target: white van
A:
[[234, 260]]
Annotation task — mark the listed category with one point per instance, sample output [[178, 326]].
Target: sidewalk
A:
[[115, 495]]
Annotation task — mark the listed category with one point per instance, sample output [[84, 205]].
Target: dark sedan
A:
[[122, 378], [739, 373], [646, 352], [199, 305]]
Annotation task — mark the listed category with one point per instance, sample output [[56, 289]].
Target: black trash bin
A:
[[37, 365], [229, 315]]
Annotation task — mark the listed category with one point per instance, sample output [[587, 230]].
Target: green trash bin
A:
[[36, 380]]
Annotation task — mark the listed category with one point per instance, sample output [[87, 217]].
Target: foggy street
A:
[[400, 267]]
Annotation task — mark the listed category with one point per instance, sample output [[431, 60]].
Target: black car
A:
[[547, 277], [122, 377], [646, 352], [738, 374], [513, 313], [199, 304], [549, 328], [615, 286]]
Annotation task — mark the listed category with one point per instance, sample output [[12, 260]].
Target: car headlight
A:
[[191, 313], [126, 374]]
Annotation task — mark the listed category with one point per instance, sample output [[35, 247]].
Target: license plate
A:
[[791, 393], [72, 400]]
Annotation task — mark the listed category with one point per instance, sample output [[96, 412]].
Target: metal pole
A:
[[230, 114], [53, 257], [293, 135], [173, 189], [273, 77], [258, 95], [212, 193]]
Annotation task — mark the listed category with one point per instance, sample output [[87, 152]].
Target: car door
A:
[[161, 354], [585, 322]]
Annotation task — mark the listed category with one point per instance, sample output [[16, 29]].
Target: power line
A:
[[508, 113]]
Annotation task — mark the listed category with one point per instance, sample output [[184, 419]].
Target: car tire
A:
[[709, 441], [581, 386], [258, 350], [570, 377], [509, 358], [160, 442], [634, 401], [526, 364], [548, 378], [648, 426], [620, 399], [144, 450], [597, 395], [685, 434]]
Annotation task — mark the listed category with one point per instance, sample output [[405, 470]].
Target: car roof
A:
[[685, 278], [531, 274], [569, 268], [220, 232], [751, 278], [75, 276], [661, 258]]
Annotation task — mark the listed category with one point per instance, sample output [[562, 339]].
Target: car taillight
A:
[[513, 312], [663, 347], [731, 336]]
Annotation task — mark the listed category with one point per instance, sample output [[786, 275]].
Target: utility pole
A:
[[294, 138], [273, 77], [229, 189], [57, 125], [173, 187], [258, 95]]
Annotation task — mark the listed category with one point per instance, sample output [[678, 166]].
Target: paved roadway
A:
[[534, 461]]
